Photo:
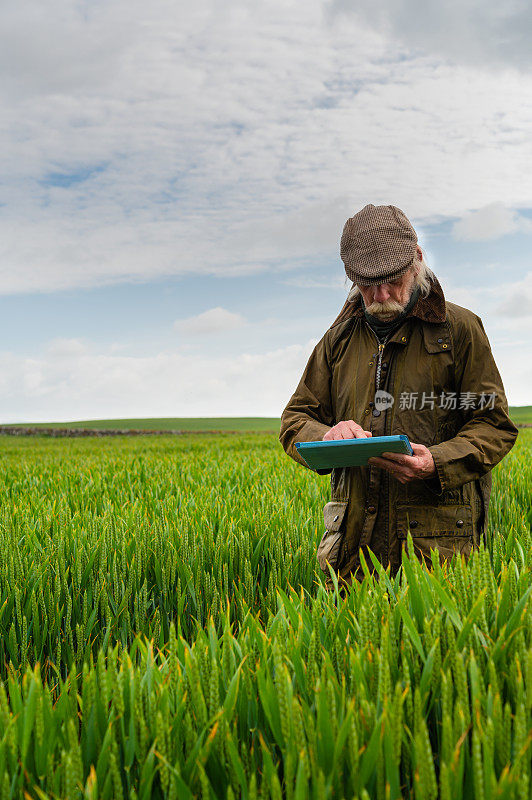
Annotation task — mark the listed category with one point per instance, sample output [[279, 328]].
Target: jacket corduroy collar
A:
[[428, 309]]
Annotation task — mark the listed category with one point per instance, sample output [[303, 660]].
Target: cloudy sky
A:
[[174, 179]]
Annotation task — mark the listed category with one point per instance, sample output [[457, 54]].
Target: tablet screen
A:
[[351, 452]]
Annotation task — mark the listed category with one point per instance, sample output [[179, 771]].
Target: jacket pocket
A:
[[331, 541], [441, 520], [445, 528]]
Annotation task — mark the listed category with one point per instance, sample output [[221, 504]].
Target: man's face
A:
[[387, 300]]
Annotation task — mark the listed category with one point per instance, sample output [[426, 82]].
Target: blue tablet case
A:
[[351, 452]]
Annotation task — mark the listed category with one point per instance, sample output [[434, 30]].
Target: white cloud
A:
[[499, 303], [469, 297], [504, 307], [146, 140], [517, 301], [490, 222], [100, 384], [488, 33], [62, 47], [215, 320], [66, 348], [312, 283], [105, 385]]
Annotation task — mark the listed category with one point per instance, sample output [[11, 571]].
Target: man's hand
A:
[[346, 430], [407, 468]]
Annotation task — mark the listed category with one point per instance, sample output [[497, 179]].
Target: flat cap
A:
[[378, 245]]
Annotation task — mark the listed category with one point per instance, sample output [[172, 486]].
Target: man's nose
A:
[[381, 293]]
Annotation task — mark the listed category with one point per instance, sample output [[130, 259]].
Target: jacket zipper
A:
[[386, 487], [381, 345]]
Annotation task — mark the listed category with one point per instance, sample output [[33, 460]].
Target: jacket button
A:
[[384, 365], [376, 412], [414, 523], [445, 346], [403, 338], [440, 341], [366, 411], [371, 509], [371, 363], [459, 523]]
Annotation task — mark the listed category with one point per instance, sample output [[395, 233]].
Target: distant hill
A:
[[519, 414], [167, 424]]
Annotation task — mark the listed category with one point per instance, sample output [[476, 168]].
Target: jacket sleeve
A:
[[308, 415], [488, 433]]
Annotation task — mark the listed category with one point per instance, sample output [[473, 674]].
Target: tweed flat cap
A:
[[378, 244]]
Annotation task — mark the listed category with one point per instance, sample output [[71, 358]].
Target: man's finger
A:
[[352, 432], [418, 448], [397, 457], [356, 430], [384, 463], [342, 432], [393, 458], [392, 467]]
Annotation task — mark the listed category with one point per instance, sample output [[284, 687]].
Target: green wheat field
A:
[[165, 633]]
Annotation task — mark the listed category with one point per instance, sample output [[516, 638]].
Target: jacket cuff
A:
[[311, 431], [436, 483]]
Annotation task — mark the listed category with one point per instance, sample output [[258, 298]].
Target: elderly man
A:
[[401, 359]]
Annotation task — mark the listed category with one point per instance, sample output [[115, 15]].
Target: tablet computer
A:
[[351, 452]]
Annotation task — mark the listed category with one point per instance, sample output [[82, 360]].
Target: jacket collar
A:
[[428, 309]]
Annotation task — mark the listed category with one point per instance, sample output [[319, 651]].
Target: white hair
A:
[[423, 279]]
